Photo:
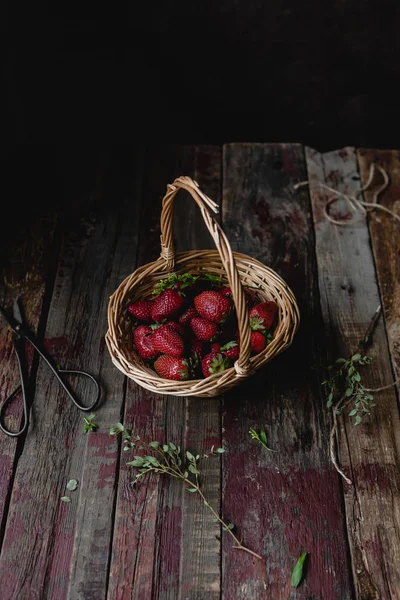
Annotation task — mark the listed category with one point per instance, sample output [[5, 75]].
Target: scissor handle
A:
[[19, 345], [2, 411]]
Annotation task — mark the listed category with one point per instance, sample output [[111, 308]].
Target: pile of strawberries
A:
[[189, 330]]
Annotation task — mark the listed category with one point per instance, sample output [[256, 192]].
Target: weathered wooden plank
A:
[[25, 260], [369, 453], [153, 525], [287, 502], [385, 238], [52, 549]]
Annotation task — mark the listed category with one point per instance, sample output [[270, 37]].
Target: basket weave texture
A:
[[236, 269]]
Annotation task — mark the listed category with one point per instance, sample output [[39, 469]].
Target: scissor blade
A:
[[17, 312]]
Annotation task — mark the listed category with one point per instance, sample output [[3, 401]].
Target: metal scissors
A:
[[21, 334]]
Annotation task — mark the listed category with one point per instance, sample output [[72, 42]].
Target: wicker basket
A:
[[234, 268]]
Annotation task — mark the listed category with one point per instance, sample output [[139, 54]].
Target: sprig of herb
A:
[[297, 574], [90, 425], [129, 444], [344, 372], [261, 437], [72, 485], [169, 459], [184, 280]]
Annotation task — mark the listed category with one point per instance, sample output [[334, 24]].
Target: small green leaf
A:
[[220, 450], [65, 499], [189, 455], [91, 417], [353, 412], [263, 437], [137, 462], [357, 377], [154, 445], [356, 357], [172, 446], [297, 574], [349, 392], [193, 469], [165, 448], [191, 489], [120, 427], [72, 485], [358, 419], [340, 361], [229, 527], [113, 430]]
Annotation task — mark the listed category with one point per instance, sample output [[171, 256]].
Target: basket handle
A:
[[242, 365]]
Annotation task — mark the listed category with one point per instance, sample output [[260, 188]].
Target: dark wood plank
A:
[[152, 556], [52, 549], [287, 502], [369, 454], [25, 263], [385, 238]]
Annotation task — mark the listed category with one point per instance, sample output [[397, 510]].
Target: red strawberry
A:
[[166, 340], [144, 343], [141, 309], [258, 341], [203, 329], [197, 347], [214, 362], [177, 326], [186, 317], [213, 306], [227, 292], [231, 350], [249, 294], [166, 305], [172, 368], [262, 315], [216, 347]]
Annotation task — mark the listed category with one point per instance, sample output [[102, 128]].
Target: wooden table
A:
[[157, 541]]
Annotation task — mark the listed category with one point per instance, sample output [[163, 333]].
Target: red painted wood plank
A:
[[50, 548], [287, 502], [150, 552], [25, 260]]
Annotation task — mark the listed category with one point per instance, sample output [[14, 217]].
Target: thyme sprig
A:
[[344, 373], [170, 459]]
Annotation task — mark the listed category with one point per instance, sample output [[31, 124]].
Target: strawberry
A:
[[231, 350], [168, 341], [141, 310], [172, 368], [203, 329], [262, 315], [216, 347], [227, 292], [197, 347], [214, 362], [177, 326], [213, 306], [258, 341], [166, 305], [142, 337], [249, 294], [186, 317]]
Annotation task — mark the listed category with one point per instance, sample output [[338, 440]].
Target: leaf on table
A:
[[297, 574]]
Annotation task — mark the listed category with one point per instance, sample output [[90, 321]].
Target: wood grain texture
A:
[[159, 535], [369, 453], [52, 549], [287, 502], [24, 266], [385, 238]]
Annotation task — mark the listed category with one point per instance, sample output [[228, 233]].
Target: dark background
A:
[[85, 81]]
